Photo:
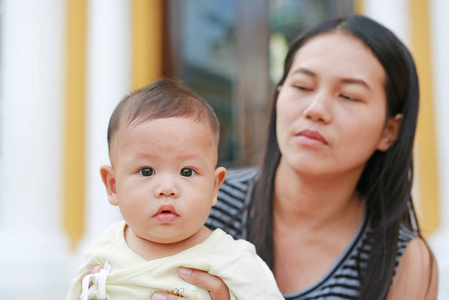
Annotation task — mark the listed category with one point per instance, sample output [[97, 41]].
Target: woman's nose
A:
[[318, 109]]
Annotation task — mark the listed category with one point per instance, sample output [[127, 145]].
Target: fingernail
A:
[[158, 297], [184, 271]]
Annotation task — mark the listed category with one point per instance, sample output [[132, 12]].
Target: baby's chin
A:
[[187, 238]]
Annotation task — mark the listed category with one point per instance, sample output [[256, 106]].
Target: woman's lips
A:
[[311, 138], [166, 214]]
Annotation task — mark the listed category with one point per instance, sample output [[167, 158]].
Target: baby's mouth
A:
[[166, 214]]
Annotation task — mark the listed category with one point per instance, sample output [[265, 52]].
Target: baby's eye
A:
[[147, 172], [187, 172]]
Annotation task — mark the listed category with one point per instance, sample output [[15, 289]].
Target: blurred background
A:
[[65, 64]]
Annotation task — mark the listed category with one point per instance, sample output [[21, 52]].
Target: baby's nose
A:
[[167, 187]]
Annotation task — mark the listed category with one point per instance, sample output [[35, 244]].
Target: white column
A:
[[108, 81], [440, 48], [33, 247], [392, 14]]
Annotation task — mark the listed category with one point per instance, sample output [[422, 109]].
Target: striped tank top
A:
[[340, 282]]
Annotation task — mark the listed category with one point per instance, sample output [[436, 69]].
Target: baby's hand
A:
[[97, 277], [94, 270]]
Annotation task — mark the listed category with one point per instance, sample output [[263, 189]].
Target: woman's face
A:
[[331, 109]]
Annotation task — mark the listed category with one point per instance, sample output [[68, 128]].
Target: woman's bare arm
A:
[[417, 274]]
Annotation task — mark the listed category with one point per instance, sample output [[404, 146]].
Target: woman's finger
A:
[[216, 287]]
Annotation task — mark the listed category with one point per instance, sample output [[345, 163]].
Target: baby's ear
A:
[[108, 176], [220, 175], [391, 132]]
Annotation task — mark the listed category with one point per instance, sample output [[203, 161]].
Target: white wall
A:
[[33, 247], [35, 259], [392, 14], [108, 81], [439, 10]]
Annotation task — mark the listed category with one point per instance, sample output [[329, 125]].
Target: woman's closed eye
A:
[[347, 97], [301, 87], [187, 172], [147, 172]]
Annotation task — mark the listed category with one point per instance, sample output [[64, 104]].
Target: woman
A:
[[330, 210]]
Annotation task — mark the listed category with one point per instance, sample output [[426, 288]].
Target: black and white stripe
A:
[[341, 282]]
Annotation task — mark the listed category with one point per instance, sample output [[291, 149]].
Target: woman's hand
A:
[[216, 287]]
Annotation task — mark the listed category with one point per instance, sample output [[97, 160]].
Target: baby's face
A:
[[166, 177]]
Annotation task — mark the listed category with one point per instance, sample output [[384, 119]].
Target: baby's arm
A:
[[216, 287]]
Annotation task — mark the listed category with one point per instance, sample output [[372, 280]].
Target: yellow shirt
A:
[[132, 277]]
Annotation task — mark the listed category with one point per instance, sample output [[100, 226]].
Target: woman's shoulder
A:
[[405, 236], [416, 268], [417, 272]]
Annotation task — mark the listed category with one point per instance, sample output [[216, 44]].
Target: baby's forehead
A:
[[129, 127], [158, 129]]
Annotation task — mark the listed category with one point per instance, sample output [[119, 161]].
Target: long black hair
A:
[[387, 178]]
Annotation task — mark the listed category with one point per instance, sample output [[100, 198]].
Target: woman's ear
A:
[[108, 176], [390, 134], [220, 175]]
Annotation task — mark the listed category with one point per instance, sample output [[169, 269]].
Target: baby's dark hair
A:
[[164, 98]]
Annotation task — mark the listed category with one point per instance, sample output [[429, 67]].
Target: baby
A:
[[163, 145]]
